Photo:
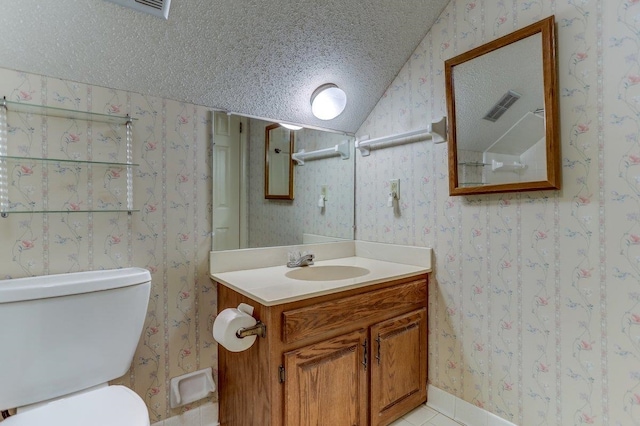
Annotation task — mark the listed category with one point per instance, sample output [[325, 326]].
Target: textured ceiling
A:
[[254, 57], [516, 67]]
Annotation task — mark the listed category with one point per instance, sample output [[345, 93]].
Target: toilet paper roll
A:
[[227, 323]]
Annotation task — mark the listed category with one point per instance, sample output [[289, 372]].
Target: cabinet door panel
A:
[[326, 383], [399, 366]]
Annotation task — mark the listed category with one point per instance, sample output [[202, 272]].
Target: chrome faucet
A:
[[297, 259]]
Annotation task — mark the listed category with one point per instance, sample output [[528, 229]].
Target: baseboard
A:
[[462, 411], [205, 415], [437, 399]]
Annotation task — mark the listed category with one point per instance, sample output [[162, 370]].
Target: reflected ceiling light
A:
[[328, 101], [290, 126]]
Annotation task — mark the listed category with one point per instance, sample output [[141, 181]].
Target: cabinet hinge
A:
[[281, 373]]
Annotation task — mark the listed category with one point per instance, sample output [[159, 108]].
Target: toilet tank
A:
[[65, 333]]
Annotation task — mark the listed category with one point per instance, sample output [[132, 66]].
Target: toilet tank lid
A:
[[46, 286]]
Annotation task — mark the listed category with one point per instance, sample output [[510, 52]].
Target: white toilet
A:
[[63, 337]]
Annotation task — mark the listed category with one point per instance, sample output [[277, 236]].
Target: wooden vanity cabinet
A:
[[357, 357]]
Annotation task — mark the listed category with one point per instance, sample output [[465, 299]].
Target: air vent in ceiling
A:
[[502, 106], [158, 8]]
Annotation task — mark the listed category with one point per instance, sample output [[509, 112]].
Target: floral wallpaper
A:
[[282, 222], [535, 297], [169, 235]]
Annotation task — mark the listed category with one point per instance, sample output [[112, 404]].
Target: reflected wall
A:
[[284, 222]]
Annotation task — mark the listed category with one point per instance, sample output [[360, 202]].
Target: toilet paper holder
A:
[[260, 329]]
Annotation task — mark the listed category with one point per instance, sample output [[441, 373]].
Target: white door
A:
[[228, 181]]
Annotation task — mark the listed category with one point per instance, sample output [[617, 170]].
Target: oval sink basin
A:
[[326, 273]]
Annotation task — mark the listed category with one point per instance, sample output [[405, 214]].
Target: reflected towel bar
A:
[[341, 149], [437, 131]]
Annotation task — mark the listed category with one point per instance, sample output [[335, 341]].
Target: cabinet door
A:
[[398, 366], [326, 383]]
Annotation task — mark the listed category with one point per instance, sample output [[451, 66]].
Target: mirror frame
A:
[[267, 195], [546, 28]]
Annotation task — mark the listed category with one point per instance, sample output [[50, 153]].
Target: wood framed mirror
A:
[[503, 114], [278, 165]]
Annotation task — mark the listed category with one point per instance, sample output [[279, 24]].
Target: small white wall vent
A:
[[158, 8]]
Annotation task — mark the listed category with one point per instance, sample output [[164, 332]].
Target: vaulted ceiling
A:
[[262, 58]]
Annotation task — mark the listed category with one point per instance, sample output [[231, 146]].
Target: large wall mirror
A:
[[278, 172], [244, 218], [503, 111]]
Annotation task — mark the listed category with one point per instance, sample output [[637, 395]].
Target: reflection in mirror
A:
[[502, 107], [278, 173], [243, 218]]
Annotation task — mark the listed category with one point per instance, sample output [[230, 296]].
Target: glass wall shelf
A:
[[7, 213], [66, 113], [473, 164], [71, 185], [15, 159], [470, 173]]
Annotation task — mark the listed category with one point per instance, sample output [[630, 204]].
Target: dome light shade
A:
[[328, 101], [290, 126]]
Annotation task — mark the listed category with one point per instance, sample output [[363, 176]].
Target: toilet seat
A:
[[107, 406]]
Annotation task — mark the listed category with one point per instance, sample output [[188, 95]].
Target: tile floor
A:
[[425, 416]]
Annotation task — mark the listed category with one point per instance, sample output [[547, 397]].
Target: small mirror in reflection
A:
[[279, 143]]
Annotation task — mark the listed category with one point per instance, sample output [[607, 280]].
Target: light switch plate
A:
[[394, 187]]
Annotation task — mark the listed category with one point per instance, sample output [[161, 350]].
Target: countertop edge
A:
[[298, 298], [381, 271]]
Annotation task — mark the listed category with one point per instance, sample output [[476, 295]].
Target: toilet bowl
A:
[[67, 335], [107, 406]]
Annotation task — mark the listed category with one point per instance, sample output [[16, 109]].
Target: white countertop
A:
[[270, 286]]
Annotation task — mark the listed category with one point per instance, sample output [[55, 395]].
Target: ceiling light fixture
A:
[[328, 101], [290, 126]]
